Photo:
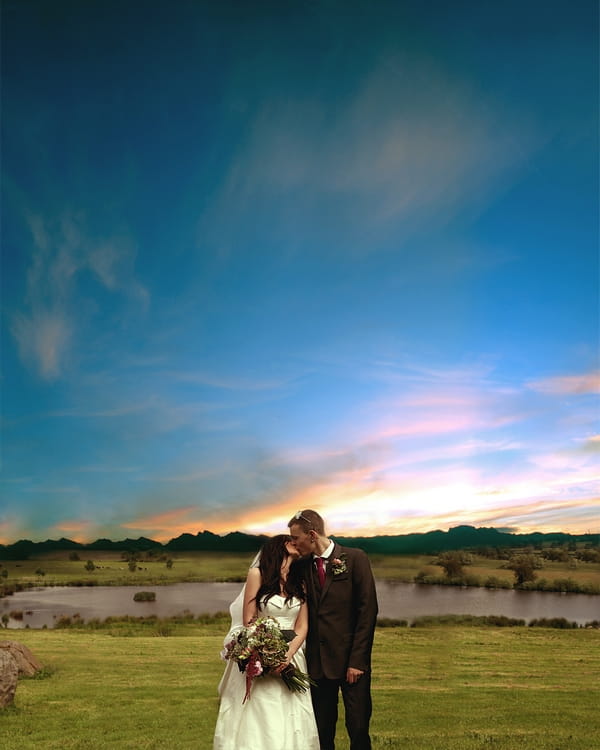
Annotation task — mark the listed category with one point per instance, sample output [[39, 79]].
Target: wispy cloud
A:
[[589, 445], [167, 524], [153, 415], [43, 337], [577, 385], [121, 410], [51, 318], [373, 161], [107, 469], [441, 454], [78, 528], [228, 382], [567, 515], [187, 477]]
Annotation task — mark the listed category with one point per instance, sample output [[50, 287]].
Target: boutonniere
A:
[[338, 565]]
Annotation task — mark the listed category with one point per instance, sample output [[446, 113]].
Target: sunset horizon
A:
[[273, 528]]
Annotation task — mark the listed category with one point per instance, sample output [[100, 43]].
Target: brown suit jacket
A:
[[341, 615]]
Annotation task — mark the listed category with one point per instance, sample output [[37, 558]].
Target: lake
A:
[[42, 606]]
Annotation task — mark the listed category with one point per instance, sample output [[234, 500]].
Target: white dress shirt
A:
[[326, 555]]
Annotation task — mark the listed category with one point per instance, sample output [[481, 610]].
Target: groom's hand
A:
[[353, 675]]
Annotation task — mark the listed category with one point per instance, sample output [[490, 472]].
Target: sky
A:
[[259, 257]]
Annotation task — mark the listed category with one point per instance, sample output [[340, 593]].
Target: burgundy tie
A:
[[321, 570]]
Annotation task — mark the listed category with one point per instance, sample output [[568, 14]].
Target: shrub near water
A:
[[144, 596], [496, 621], [553, 622]]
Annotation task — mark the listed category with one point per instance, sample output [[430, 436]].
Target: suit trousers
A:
[[358, 708]]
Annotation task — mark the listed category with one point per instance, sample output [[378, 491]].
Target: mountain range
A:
[[431, 542]]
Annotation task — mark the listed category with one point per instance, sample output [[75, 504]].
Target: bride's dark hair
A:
[[272, 556]]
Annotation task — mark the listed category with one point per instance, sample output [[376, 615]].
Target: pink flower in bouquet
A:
[[259, 649], [254, 668]]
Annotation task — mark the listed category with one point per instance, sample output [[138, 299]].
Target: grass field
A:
[[440, 688], [110, 569]]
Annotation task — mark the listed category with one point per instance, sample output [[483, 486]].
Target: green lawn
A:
[[440, 688]]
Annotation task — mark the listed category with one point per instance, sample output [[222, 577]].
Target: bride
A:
[[273, 718]]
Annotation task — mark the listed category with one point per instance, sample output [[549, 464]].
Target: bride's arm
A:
[[252, 585], [301, 630]]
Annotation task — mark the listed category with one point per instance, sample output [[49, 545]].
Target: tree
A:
[[589, 555], [524, 567], [453, 562], [90, 565], [556, 554]]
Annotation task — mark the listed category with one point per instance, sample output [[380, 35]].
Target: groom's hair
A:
[[307, 520]]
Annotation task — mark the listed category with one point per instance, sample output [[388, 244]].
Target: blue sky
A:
[[265, 256]]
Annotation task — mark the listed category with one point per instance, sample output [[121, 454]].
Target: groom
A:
[[342, 611]]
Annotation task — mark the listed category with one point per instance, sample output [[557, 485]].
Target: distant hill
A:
[[461, 537], [431, 542]]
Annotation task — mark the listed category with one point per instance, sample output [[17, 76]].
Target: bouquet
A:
[[261, 647]]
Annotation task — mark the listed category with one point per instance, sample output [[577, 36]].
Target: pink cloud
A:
[[165, 519], [77, 526], [433, 426], [588, 383]]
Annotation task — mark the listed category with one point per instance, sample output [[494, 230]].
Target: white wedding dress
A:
[[273, 718]]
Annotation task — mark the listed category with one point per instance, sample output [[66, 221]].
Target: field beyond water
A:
[[110, 569], [438, 688]]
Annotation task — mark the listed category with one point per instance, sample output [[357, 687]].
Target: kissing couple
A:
[[323, 596]]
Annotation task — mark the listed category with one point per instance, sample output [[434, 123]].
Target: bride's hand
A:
[[279, 669]]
